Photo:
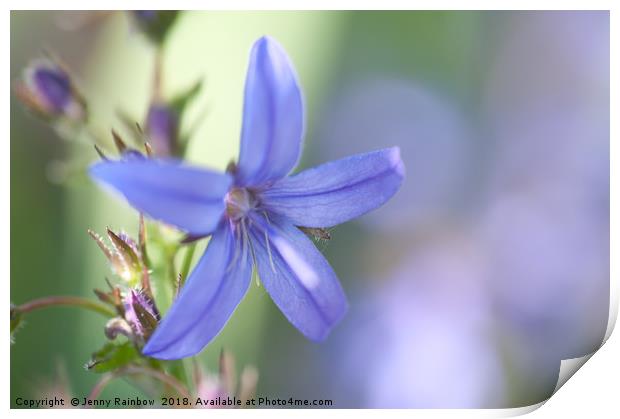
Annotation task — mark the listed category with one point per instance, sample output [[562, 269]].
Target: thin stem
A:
[[187, 262], [177, 369], [101, 384], [158, 74], [172, 272], [135, 370], [70, 301]]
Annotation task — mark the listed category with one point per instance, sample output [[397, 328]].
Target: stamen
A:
[[266, 217], [247, 235], [236, 251], [239, 201], [244, 245], [273, 268]]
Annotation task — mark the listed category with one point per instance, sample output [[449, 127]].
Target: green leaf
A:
[[180, 102], [112, 357], [16, 320], [125, 251]]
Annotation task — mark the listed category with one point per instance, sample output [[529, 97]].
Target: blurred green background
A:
[[451, 55]]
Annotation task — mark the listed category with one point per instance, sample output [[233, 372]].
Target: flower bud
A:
[[124, 256], [111, 297], [155, 24], [46, 88], [141, 313], [118, 326], [162, 129]]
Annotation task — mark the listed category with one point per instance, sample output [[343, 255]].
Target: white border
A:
[[318, 5], [592, 392]]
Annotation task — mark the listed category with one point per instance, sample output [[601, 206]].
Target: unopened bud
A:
[[124, 256], [141, 313], [162, 129], [46, 88], [155, 24], [118, 326]]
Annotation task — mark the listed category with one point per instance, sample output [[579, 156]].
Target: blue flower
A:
[[253, 213]]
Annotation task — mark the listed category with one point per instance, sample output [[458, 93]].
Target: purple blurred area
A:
[[433, 136], [426, 337], [162, 127], [503, 222]]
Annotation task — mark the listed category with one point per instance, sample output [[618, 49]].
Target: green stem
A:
[[69, 301], [177, 370], [187, 262], [169, 380], [158, 69], [172, 273]]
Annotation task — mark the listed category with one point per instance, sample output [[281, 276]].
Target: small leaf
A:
[[106, 250], [112, 297], [104, 297], [101, 153], [128, 255], [183, 99], [155, 23], [112, 356], [142, 236], [118, 142], [146, 319], [16, 319]]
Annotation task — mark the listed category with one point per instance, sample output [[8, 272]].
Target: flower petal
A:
[[189, 198], [207, 300], [273, 116], [297, 277], [337, 191]]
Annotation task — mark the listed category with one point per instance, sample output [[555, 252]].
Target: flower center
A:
[[239, 201]]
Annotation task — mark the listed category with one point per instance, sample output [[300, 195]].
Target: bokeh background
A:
[[489, 266]]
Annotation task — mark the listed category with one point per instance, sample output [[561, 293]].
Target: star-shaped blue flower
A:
[[253, 213]]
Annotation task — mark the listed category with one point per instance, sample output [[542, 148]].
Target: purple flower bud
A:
[[141, 313], [155, 23], [53, 85], [124, 256], [145, 15], [129, 241], [162, 127], [46, 88]]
